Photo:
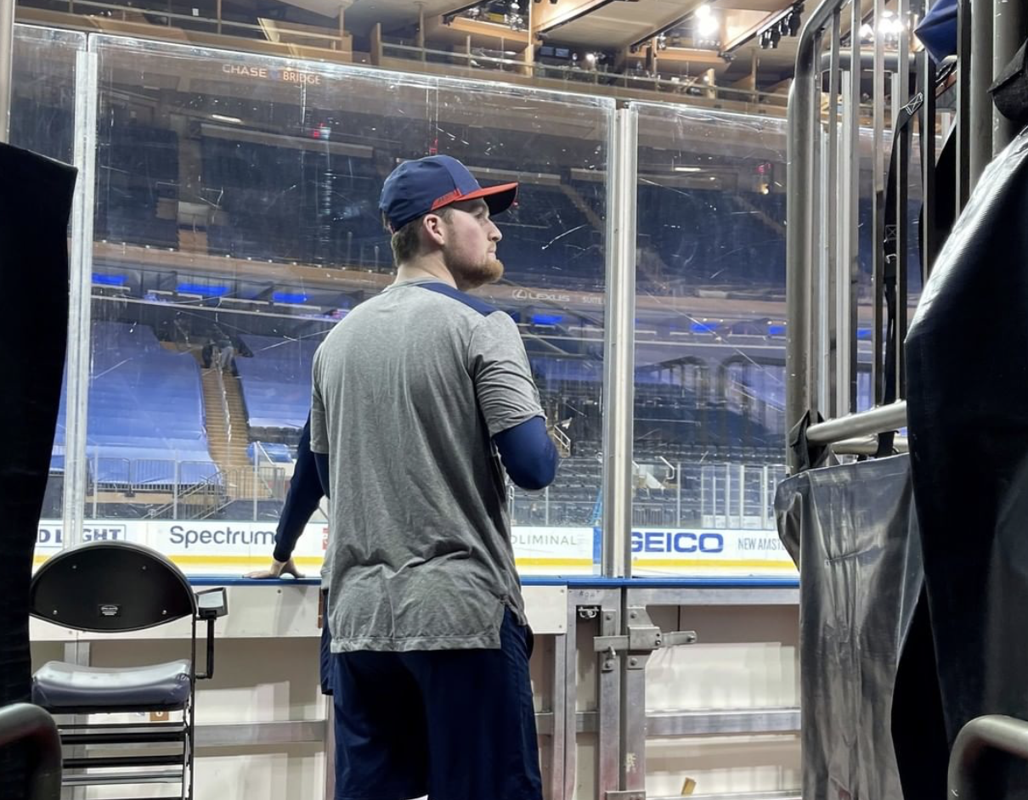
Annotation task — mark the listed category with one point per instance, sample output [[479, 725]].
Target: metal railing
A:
[[823, 244], [976, 738], [574, 77], [219, 377], [36, 729], [693, 495], [327, 38]]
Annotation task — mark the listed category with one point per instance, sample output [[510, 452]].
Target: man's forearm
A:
[[528, 454]]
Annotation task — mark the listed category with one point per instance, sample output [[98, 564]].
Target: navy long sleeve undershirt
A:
[[528, 454], [305, 492]]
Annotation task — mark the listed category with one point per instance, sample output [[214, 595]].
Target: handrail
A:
[[219, 376], [577, 76], [877, 420], [563, 441], [34, 726], [214, 481], [216, 23], [977, 737]]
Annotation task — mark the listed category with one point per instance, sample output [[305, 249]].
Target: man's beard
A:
[[468, 277]]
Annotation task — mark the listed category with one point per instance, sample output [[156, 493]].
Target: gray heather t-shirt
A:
[[408, 390]]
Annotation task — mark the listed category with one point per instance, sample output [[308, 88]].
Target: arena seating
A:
[[276, 452], [145, 412], [138, 169], [276, 383], [291, 204]]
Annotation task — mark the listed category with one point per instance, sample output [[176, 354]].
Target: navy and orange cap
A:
[[416, 188]]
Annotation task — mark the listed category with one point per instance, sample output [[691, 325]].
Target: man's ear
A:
[[432, 226]]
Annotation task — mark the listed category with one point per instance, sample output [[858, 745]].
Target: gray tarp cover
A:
[[853, 531]]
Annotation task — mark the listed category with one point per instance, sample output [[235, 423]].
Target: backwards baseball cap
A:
[[416, 188]]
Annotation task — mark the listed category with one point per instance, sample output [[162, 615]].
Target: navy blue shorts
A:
[[452, 724]]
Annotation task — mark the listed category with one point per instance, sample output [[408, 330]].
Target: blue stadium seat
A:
[[146, 419], [276, 381]]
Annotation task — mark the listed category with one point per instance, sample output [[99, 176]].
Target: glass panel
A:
[[237, 222], [710, 342], [43, 120]]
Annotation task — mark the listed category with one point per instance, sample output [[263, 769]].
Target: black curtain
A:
[[35, 205], [967, 361]]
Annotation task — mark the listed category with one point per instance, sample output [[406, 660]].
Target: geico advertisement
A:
[[733, 551]]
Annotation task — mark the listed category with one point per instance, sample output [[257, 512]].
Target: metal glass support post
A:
[[79, 302], [1009, 32], [6, 67], [981, 79], [619, 345]]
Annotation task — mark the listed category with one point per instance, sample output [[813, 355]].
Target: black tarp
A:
[[35, 205], [853, 531], [967, 361]]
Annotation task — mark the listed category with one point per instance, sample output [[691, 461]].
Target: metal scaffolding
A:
[[826, 157]]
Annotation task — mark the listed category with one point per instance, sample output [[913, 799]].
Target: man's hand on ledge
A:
[[277, 570]]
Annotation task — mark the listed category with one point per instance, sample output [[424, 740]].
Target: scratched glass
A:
[[236, 223], [710, 333]]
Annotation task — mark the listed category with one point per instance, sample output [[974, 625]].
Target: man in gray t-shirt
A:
[[422, 400]]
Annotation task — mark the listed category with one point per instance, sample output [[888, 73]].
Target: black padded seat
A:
[[59, 686]]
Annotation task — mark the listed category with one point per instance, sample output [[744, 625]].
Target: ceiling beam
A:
[[547, 16], [665, 27]]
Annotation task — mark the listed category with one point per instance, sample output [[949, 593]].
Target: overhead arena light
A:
[[707, 26]]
